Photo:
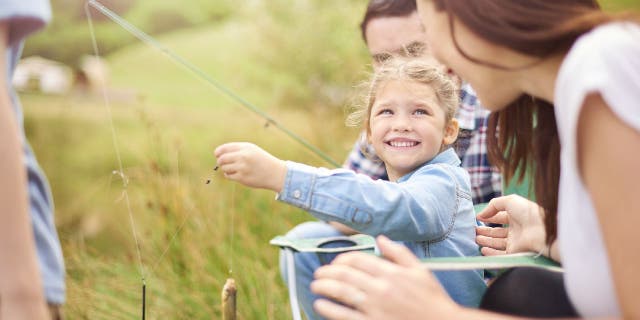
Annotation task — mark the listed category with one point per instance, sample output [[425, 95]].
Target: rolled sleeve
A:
[[24, 17], [298, 185]]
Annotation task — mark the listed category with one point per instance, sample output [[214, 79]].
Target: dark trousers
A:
[[529, 292]]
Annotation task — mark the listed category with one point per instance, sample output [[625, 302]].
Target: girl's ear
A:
[[450, 132]]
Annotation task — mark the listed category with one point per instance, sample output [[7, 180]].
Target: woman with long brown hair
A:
[[563, 81]]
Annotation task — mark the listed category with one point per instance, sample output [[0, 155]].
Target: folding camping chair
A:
[[360, 242]]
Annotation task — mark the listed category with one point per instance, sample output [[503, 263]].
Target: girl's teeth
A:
[[403, 144]]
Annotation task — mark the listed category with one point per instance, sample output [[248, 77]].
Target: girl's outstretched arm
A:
[[250, 165]]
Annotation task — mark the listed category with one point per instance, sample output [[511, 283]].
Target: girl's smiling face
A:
[[407, 126]]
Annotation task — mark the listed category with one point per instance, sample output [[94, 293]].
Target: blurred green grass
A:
[[166, 154], [167, 123], [296, 62]]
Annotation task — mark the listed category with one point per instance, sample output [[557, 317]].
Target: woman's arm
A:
[[21, 294], [608, 159], [396, 287]]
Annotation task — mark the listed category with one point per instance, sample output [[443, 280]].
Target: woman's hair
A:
[[424, 71], [527, 139]]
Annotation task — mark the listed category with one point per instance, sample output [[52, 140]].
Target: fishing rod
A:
[[209, 80]]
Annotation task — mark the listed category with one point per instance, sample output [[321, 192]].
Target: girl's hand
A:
[[525, 231], [250, 165], [373, 288]]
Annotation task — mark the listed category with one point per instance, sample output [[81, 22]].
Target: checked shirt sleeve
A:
[[486, 181], [368, 164]]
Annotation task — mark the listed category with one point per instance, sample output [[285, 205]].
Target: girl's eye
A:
[[385, 111], [421, 112]]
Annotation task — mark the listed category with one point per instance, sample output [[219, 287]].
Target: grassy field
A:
[[204, 228], [166, 124]]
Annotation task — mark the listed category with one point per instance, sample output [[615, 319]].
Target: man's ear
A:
[[451, 132]]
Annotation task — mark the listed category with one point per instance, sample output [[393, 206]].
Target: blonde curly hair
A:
[[421, 70]]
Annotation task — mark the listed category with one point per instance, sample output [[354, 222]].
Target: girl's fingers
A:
[[229, 169], [226, 148], [225, 158], [233, 147]]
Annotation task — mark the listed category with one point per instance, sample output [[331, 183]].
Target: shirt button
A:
[[297, 194]]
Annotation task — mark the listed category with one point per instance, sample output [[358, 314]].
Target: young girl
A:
[[562, 77], [408, 116]]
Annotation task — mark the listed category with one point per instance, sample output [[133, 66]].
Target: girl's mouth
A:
[[403, 144]]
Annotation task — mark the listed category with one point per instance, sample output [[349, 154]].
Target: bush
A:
[[314, 44]]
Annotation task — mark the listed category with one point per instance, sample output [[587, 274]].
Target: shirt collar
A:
[[448, 156]]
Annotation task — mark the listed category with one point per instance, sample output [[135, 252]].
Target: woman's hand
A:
[[525, 231], [250, 165], [373, 288]]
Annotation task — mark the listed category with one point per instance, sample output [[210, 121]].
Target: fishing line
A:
[[125, 182], [120, 171], [209, 80]]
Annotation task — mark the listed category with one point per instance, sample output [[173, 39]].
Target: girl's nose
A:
[[401, 124]]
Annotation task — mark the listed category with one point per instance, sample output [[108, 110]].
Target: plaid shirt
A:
[[471, 147]]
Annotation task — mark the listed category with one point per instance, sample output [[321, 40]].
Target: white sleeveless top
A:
[[605, 60]]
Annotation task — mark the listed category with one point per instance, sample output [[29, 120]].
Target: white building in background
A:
[[47, 76], [95, 72]]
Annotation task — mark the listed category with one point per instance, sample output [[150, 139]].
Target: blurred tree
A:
[[67, 38], [316, 45]]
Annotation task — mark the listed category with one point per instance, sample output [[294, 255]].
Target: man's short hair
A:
[[386, 8]]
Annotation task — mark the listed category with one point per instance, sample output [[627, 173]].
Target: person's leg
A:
[[307, 263], [55, 312], [529, 292]]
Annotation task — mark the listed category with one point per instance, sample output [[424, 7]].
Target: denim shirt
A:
[[429, 210]]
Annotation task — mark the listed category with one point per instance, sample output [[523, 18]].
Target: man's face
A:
[[387, 36]]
